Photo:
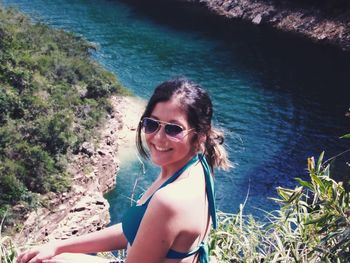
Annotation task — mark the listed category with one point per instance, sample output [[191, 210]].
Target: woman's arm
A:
[[107, 239], [110, 238]]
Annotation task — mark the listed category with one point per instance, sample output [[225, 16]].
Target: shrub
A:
[[7, 246], [47, 77], [312, 225]]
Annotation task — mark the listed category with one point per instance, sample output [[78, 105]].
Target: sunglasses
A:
[[173, 131]]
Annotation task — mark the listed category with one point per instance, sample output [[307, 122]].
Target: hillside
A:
[[53, 96]]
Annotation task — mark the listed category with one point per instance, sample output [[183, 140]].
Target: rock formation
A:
[[329, 25], [84, 209]]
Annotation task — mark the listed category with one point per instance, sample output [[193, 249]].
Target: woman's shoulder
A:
[[184, 192]]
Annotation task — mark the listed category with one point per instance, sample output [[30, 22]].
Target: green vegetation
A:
[[52, 98], [312, 225], [7, 247], [7, 250]]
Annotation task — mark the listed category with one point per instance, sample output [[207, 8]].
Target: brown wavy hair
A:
[[196, 102]]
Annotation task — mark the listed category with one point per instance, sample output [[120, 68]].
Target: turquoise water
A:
[[279, 98]]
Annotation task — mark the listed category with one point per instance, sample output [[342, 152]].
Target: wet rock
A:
[[257, 19], [102, 152], [321, 25], [87, 148]]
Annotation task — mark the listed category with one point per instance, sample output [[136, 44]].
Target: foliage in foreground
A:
[[52, 97], [7, 247], [312, 225]]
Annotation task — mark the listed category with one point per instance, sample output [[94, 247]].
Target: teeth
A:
[[161, 149]]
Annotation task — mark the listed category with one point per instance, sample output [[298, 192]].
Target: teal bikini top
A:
[[133, 216]]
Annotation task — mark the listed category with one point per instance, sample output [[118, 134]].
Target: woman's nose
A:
[[160, 134]]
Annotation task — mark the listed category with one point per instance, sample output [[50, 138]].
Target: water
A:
[[279, 98]]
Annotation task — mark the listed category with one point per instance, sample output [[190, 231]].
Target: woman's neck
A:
[[168, 171]]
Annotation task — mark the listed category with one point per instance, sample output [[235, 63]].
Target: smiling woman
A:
[[192, 107], [171, 220], [170, 151]]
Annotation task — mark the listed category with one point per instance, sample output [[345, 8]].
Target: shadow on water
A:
[[284, 62], [315, 76]]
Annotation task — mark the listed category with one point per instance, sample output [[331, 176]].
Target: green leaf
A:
[[296, 194], [277, 200], [326, 171], [346, 136], [304, 183], [282, 192], [316, 220], [317, 181], [319, 162]]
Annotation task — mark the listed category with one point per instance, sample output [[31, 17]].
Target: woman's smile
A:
[[161, 149], [170, 155]]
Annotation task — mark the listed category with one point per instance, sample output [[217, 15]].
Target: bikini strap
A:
[[202, 249], [209, 185], [174, 176]]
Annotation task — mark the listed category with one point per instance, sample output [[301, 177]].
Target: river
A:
[[279, 98]]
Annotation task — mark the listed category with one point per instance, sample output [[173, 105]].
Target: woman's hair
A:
[[196, 102]]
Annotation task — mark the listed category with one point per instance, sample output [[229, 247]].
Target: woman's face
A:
[[167, 153]]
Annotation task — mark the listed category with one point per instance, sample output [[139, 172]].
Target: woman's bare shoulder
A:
[[184, 192]]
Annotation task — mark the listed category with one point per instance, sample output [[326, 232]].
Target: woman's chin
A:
[[161, 158]]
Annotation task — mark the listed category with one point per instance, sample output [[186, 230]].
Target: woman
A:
[[171, 221]]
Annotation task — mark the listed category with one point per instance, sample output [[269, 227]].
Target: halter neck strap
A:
[[209, 183], [175, 175]]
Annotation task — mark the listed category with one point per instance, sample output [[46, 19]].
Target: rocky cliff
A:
[[84, 209], [325, 21]]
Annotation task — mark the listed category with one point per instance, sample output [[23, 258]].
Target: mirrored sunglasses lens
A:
[[150, 125], [173, 130]]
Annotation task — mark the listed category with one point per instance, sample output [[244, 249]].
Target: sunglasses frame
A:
[[164, 123]]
